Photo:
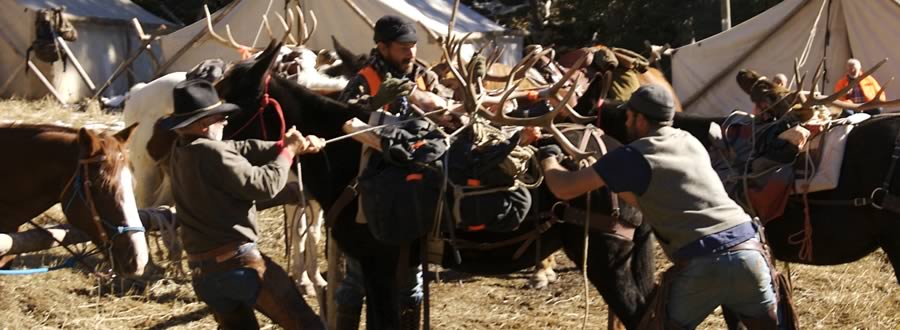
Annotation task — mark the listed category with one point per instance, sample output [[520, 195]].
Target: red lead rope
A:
[[263, 105]]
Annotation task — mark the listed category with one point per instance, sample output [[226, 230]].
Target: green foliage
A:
[[627, 23]]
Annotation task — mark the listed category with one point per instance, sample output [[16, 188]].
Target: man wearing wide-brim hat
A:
[[215, 184]]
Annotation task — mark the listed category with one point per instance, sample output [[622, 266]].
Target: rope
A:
[[584, 260], [804, 55], [65, 264], [264, 103]]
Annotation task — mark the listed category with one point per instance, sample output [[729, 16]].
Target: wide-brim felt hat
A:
[[194, 100]]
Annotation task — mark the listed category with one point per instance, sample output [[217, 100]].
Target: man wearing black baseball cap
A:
[[215, 184], [667, 173]]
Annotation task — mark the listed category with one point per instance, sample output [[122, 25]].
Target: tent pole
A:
[[715, 80], [46, 82], [200, 35], [360, 13], [76, 63], [122, 68], [11, 77]]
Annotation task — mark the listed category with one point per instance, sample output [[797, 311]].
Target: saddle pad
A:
[[819, 167]]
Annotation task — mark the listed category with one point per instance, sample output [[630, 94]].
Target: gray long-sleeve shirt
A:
[[215, 184]]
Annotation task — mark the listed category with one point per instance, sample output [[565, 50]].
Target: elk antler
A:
[[227, 42], [306, 32], [830, 99]]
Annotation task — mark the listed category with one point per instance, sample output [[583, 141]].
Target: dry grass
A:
[[860, 295]]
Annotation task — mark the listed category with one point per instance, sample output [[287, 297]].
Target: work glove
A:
[[549, 150], [391, 89]]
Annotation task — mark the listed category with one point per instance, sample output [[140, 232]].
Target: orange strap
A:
[[373, 79]]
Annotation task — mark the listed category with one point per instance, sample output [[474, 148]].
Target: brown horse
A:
[[87, 173]]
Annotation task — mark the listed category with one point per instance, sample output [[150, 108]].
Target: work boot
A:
[[410, 316], [348, 317]]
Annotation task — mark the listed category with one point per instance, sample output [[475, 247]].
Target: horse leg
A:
[[609, 270], [890, 243], [315, 221], [6, 260], [280, 301], [622, 270], [543, 273], [298, 233]]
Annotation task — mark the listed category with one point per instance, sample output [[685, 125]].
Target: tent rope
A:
[[804, 55]]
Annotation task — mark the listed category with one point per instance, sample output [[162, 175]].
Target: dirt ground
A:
[[859, 295]]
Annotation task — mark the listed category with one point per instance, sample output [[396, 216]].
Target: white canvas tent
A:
[[704, 72], [335, 18], [106, 38]]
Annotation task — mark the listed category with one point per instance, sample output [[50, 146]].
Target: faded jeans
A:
[[352, 290], [739, 280]]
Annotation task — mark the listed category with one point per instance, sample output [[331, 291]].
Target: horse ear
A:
[[344, 54], [263, 63], [88, 142], [125, 134]]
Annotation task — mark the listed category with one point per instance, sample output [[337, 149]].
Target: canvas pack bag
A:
[[48, 24]]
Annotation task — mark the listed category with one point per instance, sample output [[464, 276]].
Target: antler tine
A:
[[268, 27], [495, 56], [315, 25], [301, 19], [212, 31], [286, 27], [289, 26], [526, 63], [797, 79], [818, 75], [566, 77], [831, 98], [564, 142], [234, 43], [456, 74], [883, 87]]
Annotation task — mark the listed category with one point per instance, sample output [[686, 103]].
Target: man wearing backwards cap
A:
[[666, 172], [215, 184]]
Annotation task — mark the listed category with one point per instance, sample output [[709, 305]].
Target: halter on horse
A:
[[97, 198]]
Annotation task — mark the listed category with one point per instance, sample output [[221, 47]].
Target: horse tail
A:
[[643, 263]]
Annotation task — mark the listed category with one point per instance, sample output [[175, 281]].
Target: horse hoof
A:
[[552, 276], [308, 290], [538, 282]]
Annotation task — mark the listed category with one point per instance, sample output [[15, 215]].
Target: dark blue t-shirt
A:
[[624, 170]]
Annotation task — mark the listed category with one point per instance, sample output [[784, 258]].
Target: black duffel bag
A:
[[401, 188]]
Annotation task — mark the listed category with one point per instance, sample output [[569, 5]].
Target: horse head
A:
[[99, 200]]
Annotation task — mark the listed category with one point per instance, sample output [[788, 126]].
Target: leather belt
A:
[[221, 253]]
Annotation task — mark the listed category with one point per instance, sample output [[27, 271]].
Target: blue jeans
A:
[[352, 290], [228, 291], [739, 280]]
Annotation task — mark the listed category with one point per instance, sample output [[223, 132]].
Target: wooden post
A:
[[38, 240], [46, 82], [335, 277], [84, 76]]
